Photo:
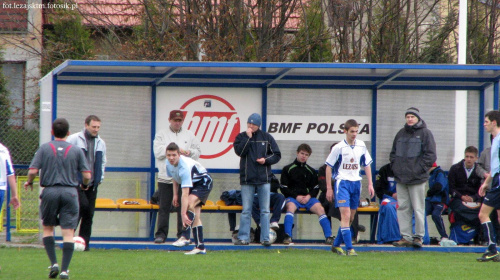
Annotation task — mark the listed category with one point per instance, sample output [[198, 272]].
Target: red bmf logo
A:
[[215, 123]]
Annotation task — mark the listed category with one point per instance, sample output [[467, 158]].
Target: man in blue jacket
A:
[[437, 199], [257, 151]]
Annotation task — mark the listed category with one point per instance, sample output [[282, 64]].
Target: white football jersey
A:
[[6, 167], [346, 160]]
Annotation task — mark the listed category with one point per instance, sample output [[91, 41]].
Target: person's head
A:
[[254, 122], [60, 128], [412, 116], [351, 130], [304, 151], [470, 157], [93, 125], [333, 145], [173, 153], [491, 121], [176, 119]]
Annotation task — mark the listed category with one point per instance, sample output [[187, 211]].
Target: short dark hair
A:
[[472, 149], [304, 147], [350, 123], [92, 118], [173, 147], [493, 116], [333, 145], [60, 128]]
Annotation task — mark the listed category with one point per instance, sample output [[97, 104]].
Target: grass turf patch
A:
[[31, 263]]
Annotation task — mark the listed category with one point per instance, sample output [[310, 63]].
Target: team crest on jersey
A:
[[352, 160]]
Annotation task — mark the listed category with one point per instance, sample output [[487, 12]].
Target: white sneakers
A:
[[275, 226], [196, 251], [181, 242]]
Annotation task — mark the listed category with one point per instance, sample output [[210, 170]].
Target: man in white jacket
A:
[[189, 147]]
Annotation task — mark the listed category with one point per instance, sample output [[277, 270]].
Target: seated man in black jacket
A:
[[300, 186], [464, 184]]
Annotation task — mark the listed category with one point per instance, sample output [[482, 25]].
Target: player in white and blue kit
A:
[[491, 193], [7, 177], [196, 185], [343, 165]]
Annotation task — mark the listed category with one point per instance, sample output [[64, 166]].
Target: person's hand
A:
[[185, 152], [486, 175], [249, 132], [329, 194], [186, 222], [467, 198], [175, 201], [261, 160], [371, 191], [84, 187], [395, 196], [27, 184], [306, 198], [482, 190], [14, 201]]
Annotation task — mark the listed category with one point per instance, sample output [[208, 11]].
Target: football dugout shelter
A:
[[299, 102]]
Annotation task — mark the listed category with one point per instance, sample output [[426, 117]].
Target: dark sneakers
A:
[[54, 271], [402, 243], [287, 240], [329, 240], [266, 243], [489, 256], [241, 242], [159, 240]]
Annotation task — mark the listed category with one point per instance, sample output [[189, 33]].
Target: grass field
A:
[[31, 263]]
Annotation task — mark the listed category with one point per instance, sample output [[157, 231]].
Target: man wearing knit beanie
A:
[[412, 156], [257, 151]]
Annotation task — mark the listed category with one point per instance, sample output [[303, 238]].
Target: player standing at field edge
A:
[[491, 192], [343, 164]]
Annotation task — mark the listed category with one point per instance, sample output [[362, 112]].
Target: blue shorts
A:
[[492, 198], [202, 189], [347, 193], [308, 205]]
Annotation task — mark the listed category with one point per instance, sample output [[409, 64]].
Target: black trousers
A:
[[166, 195], [87, 208]]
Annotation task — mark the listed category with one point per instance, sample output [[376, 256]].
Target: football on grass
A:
[[79, 243]]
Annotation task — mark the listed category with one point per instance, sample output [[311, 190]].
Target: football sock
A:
[[50, 247], [68, 248], [198, 237], [288, 223], [489, 236], [191, 216], [338, 239], [325, 225], [346, 234]]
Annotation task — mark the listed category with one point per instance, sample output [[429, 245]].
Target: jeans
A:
[[247, 196]]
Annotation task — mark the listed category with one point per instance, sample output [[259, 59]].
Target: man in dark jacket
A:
[[300, 186], [464, 184], [257, 151], [412, 155]]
